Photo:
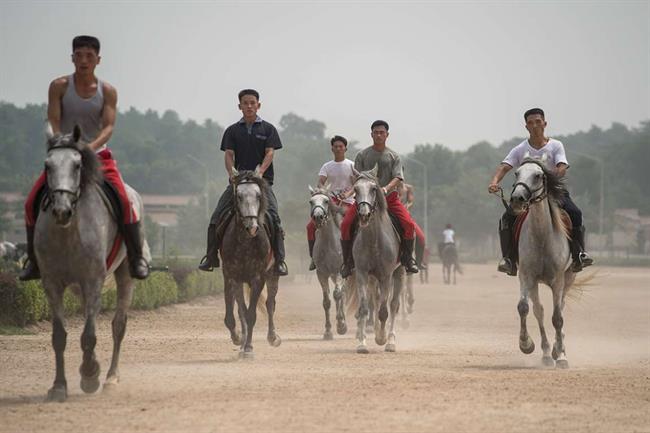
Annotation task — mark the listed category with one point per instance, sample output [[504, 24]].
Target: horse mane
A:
[[249, 176], [380, 199], [555, 190], [91, 173]]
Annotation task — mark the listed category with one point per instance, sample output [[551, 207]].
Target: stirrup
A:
[[30, 271], [208, 266], [312, 265], [346, 270], [506, 266], [281, 269], [586, 259], [139, 268], [410, 267]]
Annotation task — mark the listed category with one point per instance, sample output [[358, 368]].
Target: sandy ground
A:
[[457, 368]]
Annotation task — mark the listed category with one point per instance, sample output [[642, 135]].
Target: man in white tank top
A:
[[338, 173], [82, 99], [536, 146]]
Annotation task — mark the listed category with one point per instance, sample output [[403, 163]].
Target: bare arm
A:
[[502, 169], [561, 169], [392, 185], [268, 159], [410, 196], [108, 118], [322, 180], [54, 96], [229, 160]]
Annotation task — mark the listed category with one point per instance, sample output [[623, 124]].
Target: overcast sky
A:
[[444, 72]]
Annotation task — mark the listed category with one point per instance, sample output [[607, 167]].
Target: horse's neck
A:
[[379, 226], [539, 218]]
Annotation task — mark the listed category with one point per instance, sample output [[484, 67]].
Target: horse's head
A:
[[250, 199], [69, 165], [319, 204], [368, 195], [530, 184]]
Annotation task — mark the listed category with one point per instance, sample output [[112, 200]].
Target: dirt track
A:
[[457, 368]]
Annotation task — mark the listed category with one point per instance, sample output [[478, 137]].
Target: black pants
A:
[[227, 202], [508, 217]]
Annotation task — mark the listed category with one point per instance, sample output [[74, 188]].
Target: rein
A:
[[50, 192], [531, 198], [325, 211]]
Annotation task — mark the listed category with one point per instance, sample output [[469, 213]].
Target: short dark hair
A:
[[339, 138], [249, 92], [82, 41], [533, 111], [377, 123]]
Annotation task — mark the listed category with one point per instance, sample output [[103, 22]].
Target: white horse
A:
[[544, 255]]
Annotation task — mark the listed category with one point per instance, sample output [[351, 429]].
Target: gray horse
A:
[[449, 258], [72, 243], [544, 255], [327, 256], [376, 255], [247, 258]]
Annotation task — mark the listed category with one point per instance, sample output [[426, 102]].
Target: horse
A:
[[376, 250], [247, 258], [74, 240], [449, 258], [544, 255], [327, 255]]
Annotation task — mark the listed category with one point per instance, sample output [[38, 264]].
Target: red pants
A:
[[419, 234], [112, 176], [394, 206], [311, 226]]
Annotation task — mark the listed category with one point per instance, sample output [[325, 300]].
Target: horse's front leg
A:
[[559, 351], [323, 279], [59, 391], [238, 290], [272, 289], [256, 284], [229, 291], [454, 273], [124, 295], [538, 310], [382, 310], [526, 344], [362, 313], [89, 369], [339, 300], [398, 285]]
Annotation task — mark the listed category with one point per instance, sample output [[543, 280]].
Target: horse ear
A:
[[327, 186], [76, 133], [527, 155], [258, 172], [544, 158], [374, 170], [234, 172], [311, 190], [49, 135]]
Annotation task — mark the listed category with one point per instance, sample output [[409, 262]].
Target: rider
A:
[[338, 173], [407, 197], [447, 238], [83, 99], [248, 143], [537, 145], [390, 175]]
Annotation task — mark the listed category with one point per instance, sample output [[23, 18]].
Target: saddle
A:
[[519, 222]]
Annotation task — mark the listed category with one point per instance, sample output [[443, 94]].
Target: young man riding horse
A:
[[536, 146], [247, 143], [84, 100], [390, 175], [338, 173]]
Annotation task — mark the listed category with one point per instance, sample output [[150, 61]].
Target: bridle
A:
[[325, 211], [237, 211], [532, 198], [75, 194]]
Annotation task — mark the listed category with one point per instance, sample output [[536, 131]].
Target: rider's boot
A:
[[30, 268], [419, 254], [580, 257], [311, 243], [211, 258], [348, 260], [138, 266], [507, 263], [278, 251], [407, 256]]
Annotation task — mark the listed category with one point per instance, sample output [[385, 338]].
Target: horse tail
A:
[[261, 302], [577, 288]]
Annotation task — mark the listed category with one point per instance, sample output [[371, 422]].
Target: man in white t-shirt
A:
[[536, 146], [339, 174], [448, 235]]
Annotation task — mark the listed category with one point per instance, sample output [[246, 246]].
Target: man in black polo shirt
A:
[[247, 143]]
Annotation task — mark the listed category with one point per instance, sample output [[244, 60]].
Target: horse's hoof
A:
[[89, 384], [246, 354], [554, 353], [562, 364], [57, 393], [547, 361], [527, 346], [236, 339], [111, 382], [362, 349], [390, 347], [275, 341], [341, 328], [328, 336], [380, 340]]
